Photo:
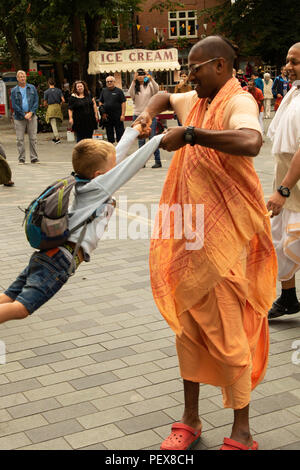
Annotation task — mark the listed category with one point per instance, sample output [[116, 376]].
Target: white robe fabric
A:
[[284, 131], [286, 239]]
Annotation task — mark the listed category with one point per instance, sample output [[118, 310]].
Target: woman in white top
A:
[[142, 88]]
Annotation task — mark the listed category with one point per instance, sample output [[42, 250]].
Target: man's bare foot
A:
[[244, 437], [194, 423]]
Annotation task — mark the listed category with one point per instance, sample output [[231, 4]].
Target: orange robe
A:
[[233, 274]]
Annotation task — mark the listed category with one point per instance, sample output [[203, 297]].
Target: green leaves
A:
[[264, 28]]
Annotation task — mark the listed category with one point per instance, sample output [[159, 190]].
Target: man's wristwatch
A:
[[189, 135], [285, 192]]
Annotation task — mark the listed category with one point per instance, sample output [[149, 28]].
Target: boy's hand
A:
[[143, 131], [144, 122], [144, 119]]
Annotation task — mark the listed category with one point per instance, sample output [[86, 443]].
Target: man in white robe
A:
[[284, 203]]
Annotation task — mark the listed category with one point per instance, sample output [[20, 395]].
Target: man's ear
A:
[[220, 65]]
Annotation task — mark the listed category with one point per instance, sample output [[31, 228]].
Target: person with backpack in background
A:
[[53, 99], [98, 178]]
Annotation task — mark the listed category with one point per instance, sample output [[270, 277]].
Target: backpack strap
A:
[[84, 225]]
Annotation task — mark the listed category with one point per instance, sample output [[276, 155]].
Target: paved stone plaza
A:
[[96, 367]]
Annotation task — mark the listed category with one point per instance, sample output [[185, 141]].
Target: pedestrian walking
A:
[[53, 99], [83, 112], [268, 95], [259, 98], [142, 88], [258, 81], [215, 292], [25, 101], [112, 101], [284, 131], [280, 87]]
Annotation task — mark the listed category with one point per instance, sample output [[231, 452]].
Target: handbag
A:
[[70, 135]]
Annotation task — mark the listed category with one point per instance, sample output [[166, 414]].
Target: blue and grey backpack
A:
[[47, 219]]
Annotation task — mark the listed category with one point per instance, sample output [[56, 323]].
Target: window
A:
[[183, 24], [111, 32]]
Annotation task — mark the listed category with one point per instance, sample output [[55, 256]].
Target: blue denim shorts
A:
[[40, 280]]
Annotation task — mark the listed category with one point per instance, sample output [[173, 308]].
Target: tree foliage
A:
[[264, 28], [14, 29], [67, 31]]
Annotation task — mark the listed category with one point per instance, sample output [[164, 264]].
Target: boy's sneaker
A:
[[57, 141], [35, 160], [21, 161]]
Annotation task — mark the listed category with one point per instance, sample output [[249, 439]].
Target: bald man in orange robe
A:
[[216, 294]]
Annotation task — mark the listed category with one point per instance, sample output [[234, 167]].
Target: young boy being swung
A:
[[47, 271]]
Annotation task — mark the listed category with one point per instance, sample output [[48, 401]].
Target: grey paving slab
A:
[[141, 423], [96, 367], [93, 380], [21, 386], [28, 409], [52, 431]]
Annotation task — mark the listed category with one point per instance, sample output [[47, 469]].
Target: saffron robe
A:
[[235, 226]]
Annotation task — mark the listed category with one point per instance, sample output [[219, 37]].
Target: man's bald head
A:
[[215, 46], [296, 45]]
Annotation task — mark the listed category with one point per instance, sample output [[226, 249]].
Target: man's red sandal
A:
[[182, 437], [230, 444]]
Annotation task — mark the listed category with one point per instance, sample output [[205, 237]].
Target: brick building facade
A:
[[180, 29]]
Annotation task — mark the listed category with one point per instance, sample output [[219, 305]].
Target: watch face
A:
[[189, 135], [285, 191]]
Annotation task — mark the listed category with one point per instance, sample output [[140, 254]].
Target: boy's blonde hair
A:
[[90, 155]]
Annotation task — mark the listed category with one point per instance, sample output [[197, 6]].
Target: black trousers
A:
[[112, 127]]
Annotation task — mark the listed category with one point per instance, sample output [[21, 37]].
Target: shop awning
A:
[[132, 59]]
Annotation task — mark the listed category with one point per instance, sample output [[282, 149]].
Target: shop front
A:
[[123, 64]]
